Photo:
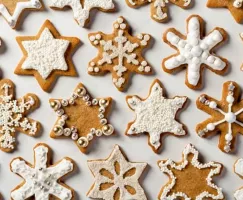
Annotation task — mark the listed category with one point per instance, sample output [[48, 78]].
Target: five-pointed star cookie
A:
[[159, 8], [119, 53], [238, 169], [156, 115], [42, 180], [13, 115], [226, 116], [194, 51], [116, 178], [234, 6], [11, 10], [190, 179], [81, 117], [47, 56], [82, 8]]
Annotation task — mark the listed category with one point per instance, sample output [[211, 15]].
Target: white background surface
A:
[[136, 148]]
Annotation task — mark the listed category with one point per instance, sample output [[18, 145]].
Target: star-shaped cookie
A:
[[81, 117], [234, 6], [12, 10], [238, 169], [156, 115], [119, 53], [116, 178], [190, 179], [226, 116], [47, 56]]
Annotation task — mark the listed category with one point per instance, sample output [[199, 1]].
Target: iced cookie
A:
[[119, 53], [47, 56], [226, 116], [238, 169], [116, 178], [190, 179], [195, 51], [156, 115], [42, 180]]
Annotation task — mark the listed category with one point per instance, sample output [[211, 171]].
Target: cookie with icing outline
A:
[[47, 56], [12, 10], [159, 10], [116, 178], [120, 53], [226, 116], [81, 117], [238, 169], [156, 115], [195, 51], [42, 180], [82, 8], [190, 179]]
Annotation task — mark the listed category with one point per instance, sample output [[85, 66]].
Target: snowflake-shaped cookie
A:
[[238, 169], [82, 8], [116, 178], [195, 52], [11, 10], [119, 53], [226, 116], [42, 180], [81, 117], [47, 55], [156, 115], [159, 8], [190, 179], [13, 115]]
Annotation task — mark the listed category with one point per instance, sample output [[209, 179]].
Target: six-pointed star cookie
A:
[[47, 56], [11, 10], [234, 6], [119, 53], [194, 51], [13, 115], [238, 169], [116, 178], [190, 179], [42, 180], [226, 116], [81, 8], [156, 115], [81, 117]]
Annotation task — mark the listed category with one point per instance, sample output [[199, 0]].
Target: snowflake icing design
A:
[[226, 116], [42, 180], [194, 51], [117, 177], [238, 169], [81, 9], [156, 115], [12, 115], [120, 53]]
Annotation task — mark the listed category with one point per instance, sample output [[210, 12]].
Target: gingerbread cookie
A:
[[47, 56], [12, 10], [42, 180], [226, 116], [156, 115], [159, 8], [190, 179], [81, 117], [238, 169], [195, 51], [119, 53], [234, 6], [116, 178], [82, 8], [13, 117]]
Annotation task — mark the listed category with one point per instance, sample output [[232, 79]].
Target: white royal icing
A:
[[46, 54], [239, 171], [165, 166], [238, 3], [195, 51], [82, 12], [120, 180], [41, 180], [156, 115], [20, 6]]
